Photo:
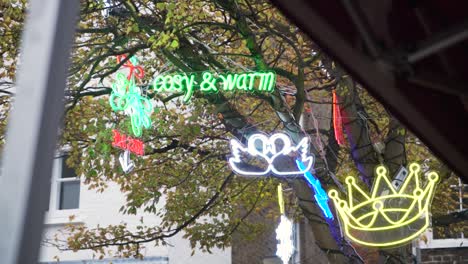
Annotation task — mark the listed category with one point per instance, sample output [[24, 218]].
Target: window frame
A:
[[54, 215], [447, 242], [56, 186]]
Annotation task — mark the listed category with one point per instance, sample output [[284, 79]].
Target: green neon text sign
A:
[[186, 83], [126, 96]]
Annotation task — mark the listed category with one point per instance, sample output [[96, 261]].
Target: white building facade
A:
[[70, 197]]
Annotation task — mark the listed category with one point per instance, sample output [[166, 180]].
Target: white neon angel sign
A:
[[269, 149]]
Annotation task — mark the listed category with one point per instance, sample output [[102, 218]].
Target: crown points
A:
[[333, 194], [350, 180], [414, 167], [381, 171], [433, 176], [417, 192]]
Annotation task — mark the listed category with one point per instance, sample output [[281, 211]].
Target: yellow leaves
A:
[[165, 39], [135, 28], [171, 6], [13, 14], [300, 39], [174, 44], [160, 5]]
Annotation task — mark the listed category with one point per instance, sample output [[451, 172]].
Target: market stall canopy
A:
[[411, 55]]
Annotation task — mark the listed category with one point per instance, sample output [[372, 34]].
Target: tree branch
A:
[[452, 218]]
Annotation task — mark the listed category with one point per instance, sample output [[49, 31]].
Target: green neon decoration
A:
[[126, 96], [186, 83], [134, 60]]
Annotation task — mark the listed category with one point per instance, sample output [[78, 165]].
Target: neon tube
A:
[[320, 196]]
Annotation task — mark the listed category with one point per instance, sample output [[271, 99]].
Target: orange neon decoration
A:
[[125, 142], [131, 64]]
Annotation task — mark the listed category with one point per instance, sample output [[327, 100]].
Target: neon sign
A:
[[126, 97], [284, 235], [125, 162], [125, 142], [284, 232], [337, 120], [387, 217], [186, 83], [134, 69], [320, 195], [265, 149]]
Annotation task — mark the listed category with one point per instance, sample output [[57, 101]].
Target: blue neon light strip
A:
[[320, 195]]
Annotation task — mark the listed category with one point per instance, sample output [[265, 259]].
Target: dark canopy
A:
[[411, 55]]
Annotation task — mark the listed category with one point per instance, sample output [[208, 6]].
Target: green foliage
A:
[[183, 177], [11, 23]]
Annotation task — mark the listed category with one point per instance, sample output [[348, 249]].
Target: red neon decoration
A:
[[337, 121], [135, 70], [125, 142]]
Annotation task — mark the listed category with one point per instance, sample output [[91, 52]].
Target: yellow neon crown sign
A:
[[388, 217]]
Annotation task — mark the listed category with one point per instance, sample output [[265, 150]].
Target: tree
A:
[[187, 145]]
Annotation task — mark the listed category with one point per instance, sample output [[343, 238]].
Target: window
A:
[[461, 203], [445, 237], [65, 189]]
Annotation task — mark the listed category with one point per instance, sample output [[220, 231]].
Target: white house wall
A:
[[103, 209]]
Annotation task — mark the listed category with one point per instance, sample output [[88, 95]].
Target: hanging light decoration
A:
[[284, 232], [337, 120]]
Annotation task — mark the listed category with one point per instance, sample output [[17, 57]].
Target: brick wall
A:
[[445, 255]]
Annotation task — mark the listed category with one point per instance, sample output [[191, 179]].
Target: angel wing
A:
[[236, 163], [306, 159]]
